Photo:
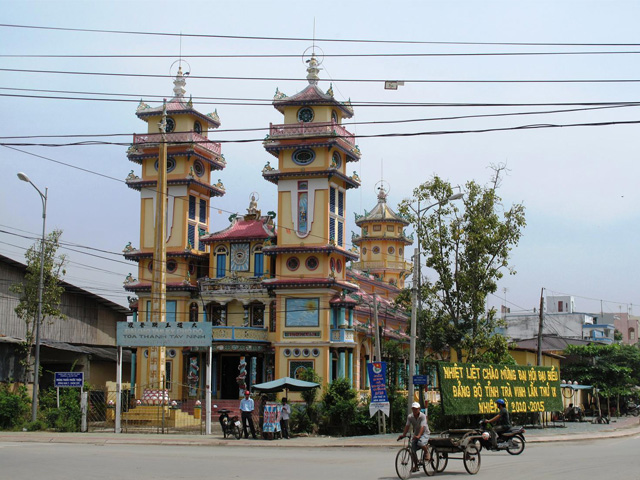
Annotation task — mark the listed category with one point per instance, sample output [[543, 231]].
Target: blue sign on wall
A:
[[68, 379], [164, 334]]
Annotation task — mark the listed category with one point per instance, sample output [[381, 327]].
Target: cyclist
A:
[[420, 439], [501, 422]]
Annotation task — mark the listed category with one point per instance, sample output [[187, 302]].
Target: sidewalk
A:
[[622, 427]]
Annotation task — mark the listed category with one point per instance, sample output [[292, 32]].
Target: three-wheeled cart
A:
[[456, 444]]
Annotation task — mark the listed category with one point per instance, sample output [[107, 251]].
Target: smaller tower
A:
[[382, 241]]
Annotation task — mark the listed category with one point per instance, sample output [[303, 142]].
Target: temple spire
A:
[[179, 83], [313, 69]]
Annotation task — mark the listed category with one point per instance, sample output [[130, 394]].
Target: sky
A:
[[579, 184]]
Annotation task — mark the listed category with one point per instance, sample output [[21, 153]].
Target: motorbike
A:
[[512, 440], [633, 409], [231, 426]]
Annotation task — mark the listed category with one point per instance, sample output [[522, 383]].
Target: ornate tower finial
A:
[[313, 69], [179, 84]]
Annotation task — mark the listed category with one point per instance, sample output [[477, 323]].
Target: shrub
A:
[[14, 407], [68, 417], [340, 407]]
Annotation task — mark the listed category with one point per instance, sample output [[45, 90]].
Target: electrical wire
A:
[[305, 39]]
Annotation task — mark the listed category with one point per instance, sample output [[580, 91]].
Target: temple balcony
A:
[[382, 265], [185, 138], [303, 129], [239, 334], [343, 335], [230, 285]]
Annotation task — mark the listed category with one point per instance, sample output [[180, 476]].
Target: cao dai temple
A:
[[284, 290]]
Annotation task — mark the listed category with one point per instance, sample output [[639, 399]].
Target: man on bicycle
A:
[[418, 421]]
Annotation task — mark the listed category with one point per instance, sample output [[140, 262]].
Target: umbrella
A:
[[285, 383]]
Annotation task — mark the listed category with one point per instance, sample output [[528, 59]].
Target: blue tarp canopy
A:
[[285, 383], [575, 387]]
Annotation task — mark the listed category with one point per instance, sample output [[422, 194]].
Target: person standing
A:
[[246, 410], [420, 438], [284, 419]]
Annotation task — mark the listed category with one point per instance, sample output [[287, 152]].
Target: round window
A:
[[198, 167], [306, 352], [339, 266], [192, 268], [312, 263], [197, 127], [376, 250], [171, 125], [171, 164], [400, 251], [332, 264], [334, 116], [364, 250], [391, 250], [305, 115], [296, 352], [293, 263], [303, 156], [150, 266], [315, 352], [286, 352], [172, 266]]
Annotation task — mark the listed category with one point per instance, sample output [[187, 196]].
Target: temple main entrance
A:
[[233, 367]]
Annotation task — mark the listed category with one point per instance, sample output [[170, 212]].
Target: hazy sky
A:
[[579, 183]]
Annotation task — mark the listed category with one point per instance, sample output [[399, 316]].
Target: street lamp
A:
[[415, 293], [36, 376]]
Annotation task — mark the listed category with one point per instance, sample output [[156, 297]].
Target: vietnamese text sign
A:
[[468, 388], [164, 334], [419, 379], [68, 379], [378, 381]]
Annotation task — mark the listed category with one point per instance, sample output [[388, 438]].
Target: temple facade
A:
[[284, 291]]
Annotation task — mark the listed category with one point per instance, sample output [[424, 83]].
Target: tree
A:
[[27, 309], [467, 250], [613, 369]]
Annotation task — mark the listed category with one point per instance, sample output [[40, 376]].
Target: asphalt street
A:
[[568, 460]]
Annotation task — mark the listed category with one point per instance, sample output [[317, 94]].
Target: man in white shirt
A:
[[246, 410], [420, 438], [284, 419]]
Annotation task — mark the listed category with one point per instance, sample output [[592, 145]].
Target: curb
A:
[[296, 442]]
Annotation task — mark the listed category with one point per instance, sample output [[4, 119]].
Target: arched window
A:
[[193, 312], [221, 262], [258, 261]]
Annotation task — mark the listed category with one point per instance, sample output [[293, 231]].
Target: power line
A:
[[296, 79], [304, 39], [326, 55]]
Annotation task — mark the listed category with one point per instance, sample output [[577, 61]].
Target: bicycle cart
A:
[[450, 443]]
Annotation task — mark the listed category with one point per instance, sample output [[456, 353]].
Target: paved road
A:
[[614, 458]]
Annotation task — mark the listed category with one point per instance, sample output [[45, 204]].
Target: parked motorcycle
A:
[[633, 409], [231, 426], [512, 441]]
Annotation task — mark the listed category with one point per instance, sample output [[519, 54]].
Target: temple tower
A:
[[382, 240], [314, 317], [191, 159]]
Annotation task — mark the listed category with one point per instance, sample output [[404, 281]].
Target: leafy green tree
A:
[[340, 406], [27, 309], [613, 369], [467, 248]]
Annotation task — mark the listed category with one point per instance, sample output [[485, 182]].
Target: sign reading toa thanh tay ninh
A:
[[473, 388]]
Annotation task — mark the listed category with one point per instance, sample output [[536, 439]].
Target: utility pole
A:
[[382, 421], [412, 337], [540, 324]]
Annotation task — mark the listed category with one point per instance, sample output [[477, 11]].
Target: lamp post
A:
[[415, 293], [36, 376]]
